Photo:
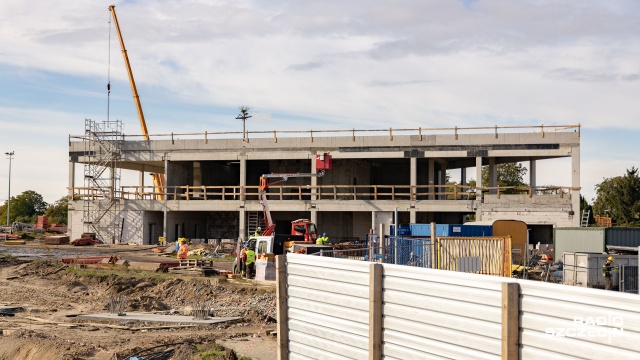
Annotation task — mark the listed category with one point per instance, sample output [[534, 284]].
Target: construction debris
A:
[[86, 239], [56, 240]]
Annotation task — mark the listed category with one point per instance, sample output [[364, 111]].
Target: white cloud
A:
[[354, 64]]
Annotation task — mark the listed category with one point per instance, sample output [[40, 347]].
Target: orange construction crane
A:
[[158, 179]]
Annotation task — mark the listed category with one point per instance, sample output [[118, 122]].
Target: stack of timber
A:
[[195, 267]]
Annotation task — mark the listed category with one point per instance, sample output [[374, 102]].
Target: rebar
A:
[[117, 304], [202, 309]]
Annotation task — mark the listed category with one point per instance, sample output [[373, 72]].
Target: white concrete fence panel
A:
[[347, 309]]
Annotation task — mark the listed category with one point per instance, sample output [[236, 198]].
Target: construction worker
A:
[[258, 232], [184, 249], [606, 272], [243, 258], [250, 262], [322, 240]]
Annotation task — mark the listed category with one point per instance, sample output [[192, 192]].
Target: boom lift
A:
[[158, 179], [323, 162]]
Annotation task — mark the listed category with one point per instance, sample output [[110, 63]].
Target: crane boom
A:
[[158, 179], [270, 227]]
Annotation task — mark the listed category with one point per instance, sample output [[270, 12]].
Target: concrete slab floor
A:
[[156, 318]]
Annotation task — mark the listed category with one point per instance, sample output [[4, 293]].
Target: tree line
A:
[[26, 208]]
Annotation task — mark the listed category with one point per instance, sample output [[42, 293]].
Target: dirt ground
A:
[[48, 298]]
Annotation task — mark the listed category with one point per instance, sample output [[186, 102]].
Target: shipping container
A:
[[585, 269], [403, 230], [619, 236], [425, 229], [476, 230], [578, 239]]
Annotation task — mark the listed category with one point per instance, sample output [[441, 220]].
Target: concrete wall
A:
[[152, 226], [186, 224]]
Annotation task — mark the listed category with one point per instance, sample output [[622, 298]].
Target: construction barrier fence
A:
[[332, 308], [478, 255]]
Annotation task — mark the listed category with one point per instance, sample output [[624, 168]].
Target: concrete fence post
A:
[[375, 311], [283, 314]]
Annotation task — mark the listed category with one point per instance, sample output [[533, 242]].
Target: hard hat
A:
[[324, 234], [259, 228], [246, 245], [610, 258]]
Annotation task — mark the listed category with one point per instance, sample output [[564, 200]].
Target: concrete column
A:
[[575, 183], [314, 191], [479, 183], [532, 172], [443, 177], [243, 178], [242, 216], [413, 176], [164, 224], [493, 175], [140, 191], [197, 179], [72, 179], [412, 216], [314, 180], [478, 186], [242, 222], [463, 176], [431, 176]]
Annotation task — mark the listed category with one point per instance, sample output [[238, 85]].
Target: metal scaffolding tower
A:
[[103, 144]]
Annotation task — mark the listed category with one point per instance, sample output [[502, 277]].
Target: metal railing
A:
[[395, 250], [311, 134]]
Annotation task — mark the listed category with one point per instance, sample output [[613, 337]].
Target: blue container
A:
[[476, 230], [403, 230], [420, 229], [425, 230]]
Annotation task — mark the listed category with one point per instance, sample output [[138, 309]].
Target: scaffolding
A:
[[103, 142]]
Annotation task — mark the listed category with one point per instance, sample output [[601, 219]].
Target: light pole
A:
[[10, 156]]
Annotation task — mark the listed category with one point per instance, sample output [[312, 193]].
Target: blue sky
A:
[[321, 65]]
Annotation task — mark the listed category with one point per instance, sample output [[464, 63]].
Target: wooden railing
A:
[[321, 192]]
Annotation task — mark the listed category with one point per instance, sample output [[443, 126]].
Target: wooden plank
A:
[[510, 321], [282, 316], [375, 311]]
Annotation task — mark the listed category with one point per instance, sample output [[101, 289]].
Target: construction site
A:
[[319, 244]]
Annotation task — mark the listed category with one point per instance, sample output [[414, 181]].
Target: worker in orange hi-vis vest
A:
[[184, 249]]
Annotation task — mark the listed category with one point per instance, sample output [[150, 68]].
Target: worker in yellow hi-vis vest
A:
[[250, 263]]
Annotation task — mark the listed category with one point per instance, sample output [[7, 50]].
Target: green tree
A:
[[585, 206], [25, 207], [619, 197], [509, 174], [58, 211]]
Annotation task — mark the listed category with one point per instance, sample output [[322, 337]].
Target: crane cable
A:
[[109, 71]]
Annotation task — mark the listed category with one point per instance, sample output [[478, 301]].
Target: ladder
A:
[[253, 221], [585, 218]]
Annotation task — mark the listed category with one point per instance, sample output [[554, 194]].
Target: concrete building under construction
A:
[[210, 180]]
